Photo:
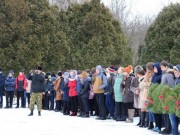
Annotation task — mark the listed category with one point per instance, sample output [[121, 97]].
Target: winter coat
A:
[[134, 88], [168, 78], [144, 84], [72, 87], [37, 82], [84, 92], [10, 83], [57, 88], [65, 90], [49, 87], [156, 78], [21, 83], [128, 94], [78, 86], [28, 88], [2, 81], [118, 88], [100, 82]]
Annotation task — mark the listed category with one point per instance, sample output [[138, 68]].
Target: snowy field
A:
[[16, 122]]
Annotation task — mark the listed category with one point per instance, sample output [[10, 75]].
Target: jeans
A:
[[85, 105], [151, 116], [1, 98], [110, 104], [174, 123]]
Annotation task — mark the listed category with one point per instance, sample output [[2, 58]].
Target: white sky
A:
[[146, 7]]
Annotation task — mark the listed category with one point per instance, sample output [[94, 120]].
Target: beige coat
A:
[[143, 87], [57, 89], [28, 87]]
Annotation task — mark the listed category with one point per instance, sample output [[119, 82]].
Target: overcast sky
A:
[[146, 7]]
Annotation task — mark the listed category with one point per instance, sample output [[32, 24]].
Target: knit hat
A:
[[111, 69], [128, 69]]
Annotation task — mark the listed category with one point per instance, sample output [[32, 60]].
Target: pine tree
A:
[[161, 42]]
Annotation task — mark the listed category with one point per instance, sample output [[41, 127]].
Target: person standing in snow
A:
[[37, 89]]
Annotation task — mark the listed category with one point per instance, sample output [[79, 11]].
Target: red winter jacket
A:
[[72, 88], [21, 78]]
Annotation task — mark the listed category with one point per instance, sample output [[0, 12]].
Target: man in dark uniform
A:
[[37, 89]]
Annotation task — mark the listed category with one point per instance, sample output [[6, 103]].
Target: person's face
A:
[[97, 71], [120, 70], [149, 73], [176, 74], [20, 73], [155, 70], [71, 73], [163, 68]]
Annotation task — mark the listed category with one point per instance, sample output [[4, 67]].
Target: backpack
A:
[[91, 93]]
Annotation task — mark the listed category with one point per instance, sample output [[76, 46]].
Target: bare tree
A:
[[134, 27]]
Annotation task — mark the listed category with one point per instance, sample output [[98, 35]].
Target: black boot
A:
[[143, 115], [31, 114], [85, 115], [151, 126], [139, 119], [39, 113], [147, 120]]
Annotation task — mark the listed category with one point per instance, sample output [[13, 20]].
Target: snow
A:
[[16, 122]]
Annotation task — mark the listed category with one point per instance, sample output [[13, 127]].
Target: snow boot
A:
[[143, 115], [131, 115], [39, 113], [31, 114]]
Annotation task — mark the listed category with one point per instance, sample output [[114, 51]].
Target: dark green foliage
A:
[[94, 36], [162, 39], [30, 35], [32, 32]]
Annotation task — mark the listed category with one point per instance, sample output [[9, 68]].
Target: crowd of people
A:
[[117, 93]]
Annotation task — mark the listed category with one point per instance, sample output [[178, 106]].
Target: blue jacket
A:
[[156, 78], [10, 83], [2, 79], [79, 85], [65, 92], [49, 86], [177, 81]]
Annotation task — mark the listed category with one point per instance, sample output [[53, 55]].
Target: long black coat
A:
[[84, 92]]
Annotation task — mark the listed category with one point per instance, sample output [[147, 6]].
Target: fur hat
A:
[[59, 73], [128, 69], [38, 68]]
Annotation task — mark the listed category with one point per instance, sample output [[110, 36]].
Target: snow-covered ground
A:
[[16, 122]]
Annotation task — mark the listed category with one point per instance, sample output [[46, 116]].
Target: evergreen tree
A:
[[94, 36], [30, 35], [162, 39]]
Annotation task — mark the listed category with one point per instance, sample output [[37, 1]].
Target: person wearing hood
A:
[[99, 89], [84, 94], [72, 83], [167, 79], [65, 93], [2, 79], [21, 84], [10, 83], [156, 78], [173, 118]]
